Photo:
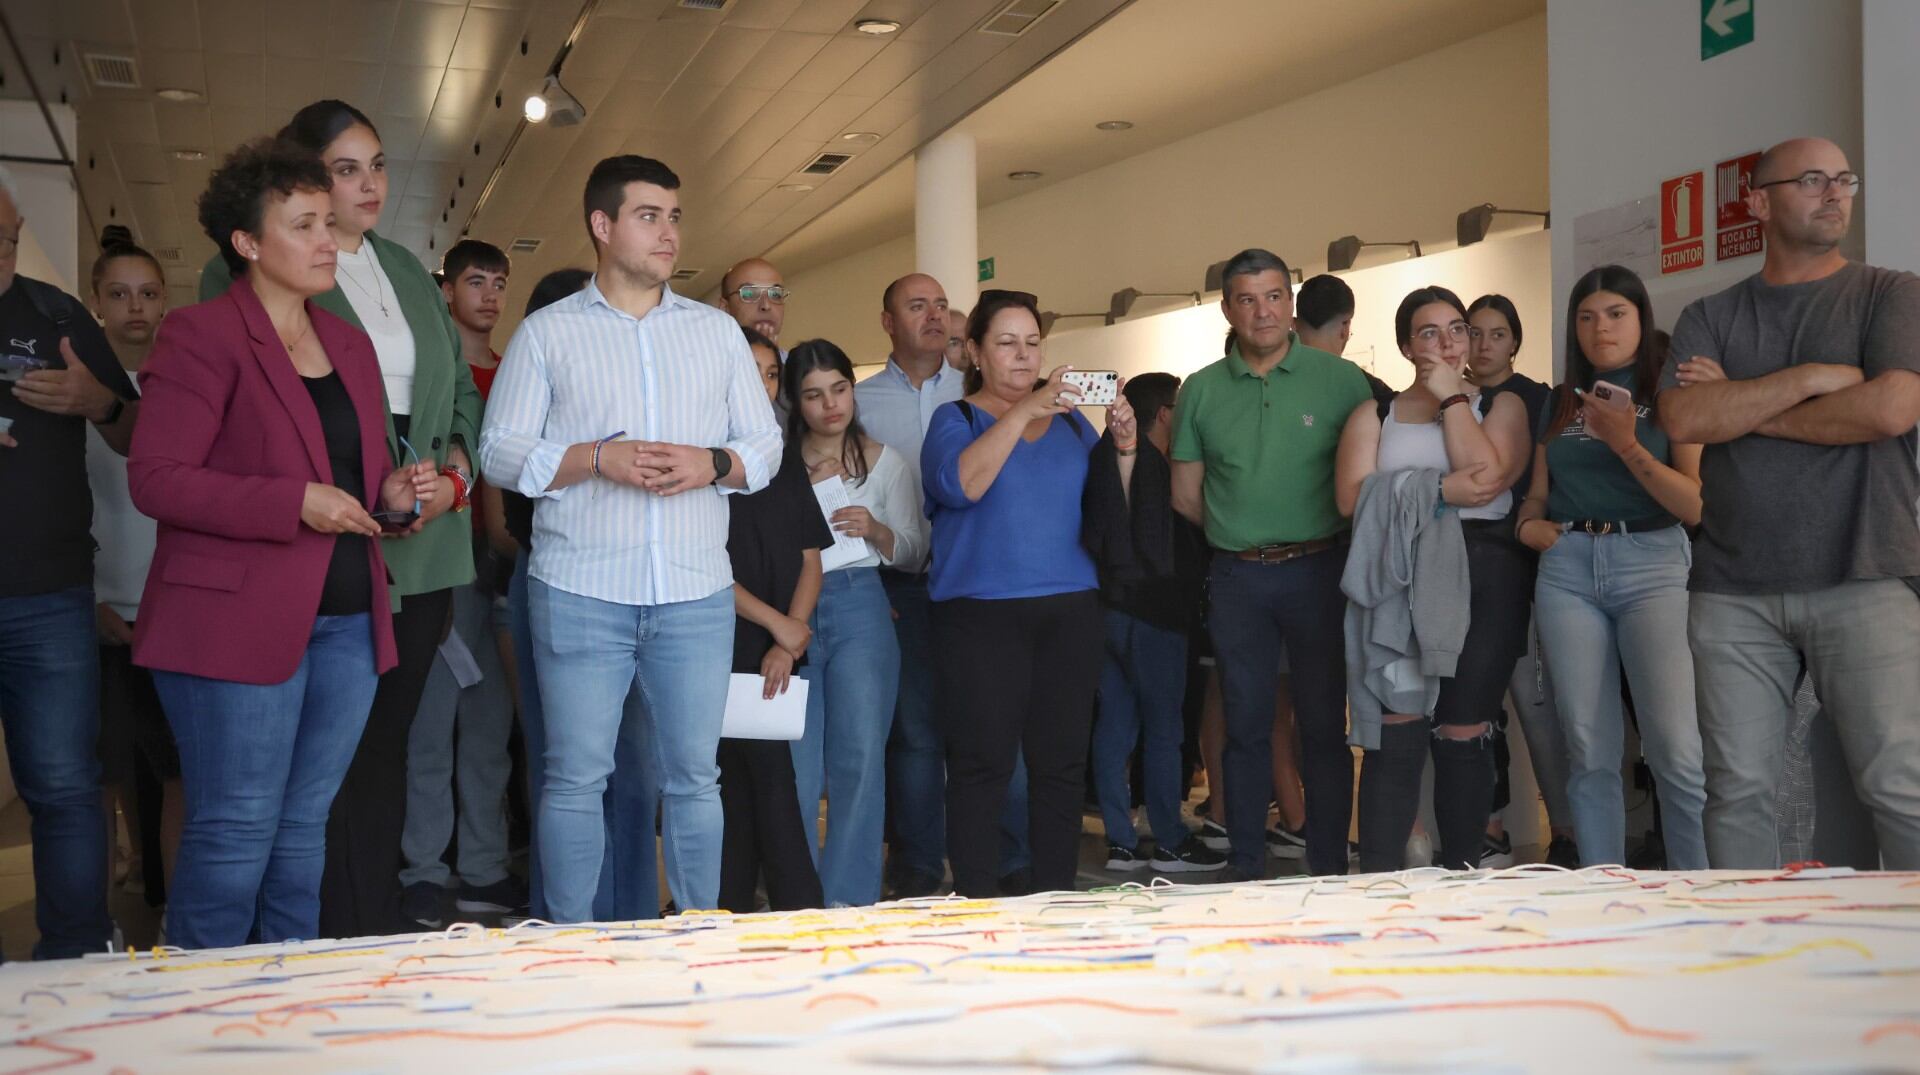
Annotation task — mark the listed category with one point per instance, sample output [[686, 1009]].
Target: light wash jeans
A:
[[1143, 683], [259, 767], [1531, 691], [483, 716], [1860, 643], [630, 870], [590, 654], [853, 674], [1603, 602]]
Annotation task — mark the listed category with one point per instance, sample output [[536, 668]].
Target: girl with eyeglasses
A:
[[1607, 510], [1438, 425]]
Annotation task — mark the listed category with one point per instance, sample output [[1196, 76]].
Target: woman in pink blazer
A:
[[263, 455]]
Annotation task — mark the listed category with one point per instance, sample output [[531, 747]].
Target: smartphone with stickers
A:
[[1096, 388]]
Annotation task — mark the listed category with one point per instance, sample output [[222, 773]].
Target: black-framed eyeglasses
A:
[[1815, 184], [773, 293]]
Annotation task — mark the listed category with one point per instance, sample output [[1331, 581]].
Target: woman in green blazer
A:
[[433, 411]]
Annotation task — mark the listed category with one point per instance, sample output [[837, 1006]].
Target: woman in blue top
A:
[[1016, 613], [1605, 510]]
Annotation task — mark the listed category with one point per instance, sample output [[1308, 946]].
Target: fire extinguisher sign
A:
[[1683, 226]]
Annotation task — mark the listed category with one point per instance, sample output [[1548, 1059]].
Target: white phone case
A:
[[1096, 388]]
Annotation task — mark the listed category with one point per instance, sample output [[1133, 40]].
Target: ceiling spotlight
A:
[[1344, 251], [555, 103], [1048, 317], [796, 186], [1123, 300], [876, 27], [860, 136], [1472, 225], [179, 95], [1113, 125], [189, 154], [1026, 174]]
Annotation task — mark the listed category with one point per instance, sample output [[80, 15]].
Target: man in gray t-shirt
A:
[[1804, 384]]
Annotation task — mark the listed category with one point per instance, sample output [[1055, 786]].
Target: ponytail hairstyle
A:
[[314, 127]]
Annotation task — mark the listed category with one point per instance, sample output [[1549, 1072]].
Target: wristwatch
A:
[[113, 414], [722, 464]]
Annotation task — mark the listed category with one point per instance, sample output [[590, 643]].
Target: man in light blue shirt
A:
[[628, 412]]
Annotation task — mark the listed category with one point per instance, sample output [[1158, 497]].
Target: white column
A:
[[1890, 83], [946, 217]]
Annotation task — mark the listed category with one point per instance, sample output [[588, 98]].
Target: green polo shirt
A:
[[1268, 444]]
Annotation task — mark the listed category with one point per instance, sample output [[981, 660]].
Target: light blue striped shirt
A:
[[580, 370]]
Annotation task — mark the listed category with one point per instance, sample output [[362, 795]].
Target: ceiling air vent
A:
[[524, 246], [109, 72], [703, 5], [1017, 17], [686, 274], [167, 253], [826, 164]]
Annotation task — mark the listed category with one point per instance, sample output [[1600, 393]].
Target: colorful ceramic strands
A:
[[1533, 968]]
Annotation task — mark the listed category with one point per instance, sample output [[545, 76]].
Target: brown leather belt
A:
[[1280, 554]]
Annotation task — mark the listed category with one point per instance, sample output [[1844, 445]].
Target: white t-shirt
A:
[[125, 536], [1424, 444], [366, 286], [891, 492]]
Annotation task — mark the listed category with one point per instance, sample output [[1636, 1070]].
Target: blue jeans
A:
[[629, 868], [853, 668], [917, 750], [591, 654], [1257, 609], [259, 767], [1603, 602], [1143, 684], [50, 703]]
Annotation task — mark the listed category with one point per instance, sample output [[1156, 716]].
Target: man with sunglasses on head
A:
[[1803, 382]]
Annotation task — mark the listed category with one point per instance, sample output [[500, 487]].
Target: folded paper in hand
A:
[[749, 716], [832, 495]]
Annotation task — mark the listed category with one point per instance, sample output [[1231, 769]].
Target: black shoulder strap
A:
[[52, 303], [966, 411], [1385, 405]]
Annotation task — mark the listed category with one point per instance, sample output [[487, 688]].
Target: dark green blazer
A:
[[446, 407]]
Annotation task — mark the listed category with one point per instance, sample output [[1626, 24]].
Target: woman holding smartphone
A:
[[262, 455], [1607, 511], [433, 415], [1016, 613]]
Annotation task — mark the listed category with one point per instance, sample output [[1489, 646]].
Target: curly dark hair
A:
[[237, 192]]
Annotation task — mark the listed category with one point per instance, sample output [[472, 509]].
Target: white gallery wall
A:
[[49, 244], [1395, 154]]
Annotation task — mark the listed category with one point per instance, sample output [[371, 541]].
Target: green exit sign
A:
[[1725, 25], [986, 269]]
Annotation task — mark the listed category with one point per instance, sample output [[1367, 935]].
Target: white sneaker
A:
[[1419, 851]]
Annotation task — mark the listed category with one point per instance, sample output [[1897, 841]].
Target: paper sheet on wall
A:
[[749, 716], [832, 495]]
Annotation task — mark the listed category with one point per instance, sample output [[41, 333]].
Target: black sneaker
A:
[[1214, 835], [505, 896], [1125, 859], [1194, 856], [420, 905], [1496, 853], [1285, 843], [1563, 852], [1017, 883], [1231, 875], [915, 884]]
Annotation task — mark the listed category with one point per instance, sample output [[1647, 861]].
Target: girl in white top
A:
[[854, 664], [1436, 424]]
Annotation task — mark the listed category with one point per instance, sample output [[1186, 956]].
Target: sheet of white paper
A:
[[832, 495], [460, 660], [749, 716]]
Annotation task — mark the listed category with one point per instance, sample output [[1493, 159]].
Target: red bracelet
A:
[[460, 489], [1457, 397]]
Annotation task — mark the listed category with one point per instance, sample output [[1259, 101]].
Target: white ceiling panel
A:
[[426, 33], [836, 62], [823, 16], [237, 26], [486, 38], [606, 49], [725, 54], [358, 30]]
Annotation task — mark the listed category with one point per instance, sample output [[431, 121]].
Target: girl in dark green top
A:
[[1605, 510], [434, 413]]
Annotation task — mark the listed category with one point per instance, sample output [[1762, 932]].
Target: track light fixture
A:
[[1344, 251], [1472, 225]]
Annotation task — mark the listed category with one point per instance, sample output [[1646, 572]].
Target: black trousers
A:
[[1463, 769], [1015, 675], [360, 889], [764, 830]]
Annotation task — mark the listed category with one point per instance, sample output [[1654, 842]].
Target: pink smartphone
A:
[[1609, 394]]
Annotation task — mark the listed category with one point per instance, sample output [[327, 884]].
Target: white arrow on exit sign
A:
[[1723, 10]]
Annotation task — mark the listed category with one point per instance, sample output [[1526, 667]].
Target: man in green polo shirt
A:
[[1254, 436]]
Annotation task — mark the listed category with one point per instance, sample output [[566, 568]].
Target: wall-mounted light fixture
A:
[[1217, 276], [1123, 300], [1048, 317], [1344, 251], [1472, 225], [553, 102]]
